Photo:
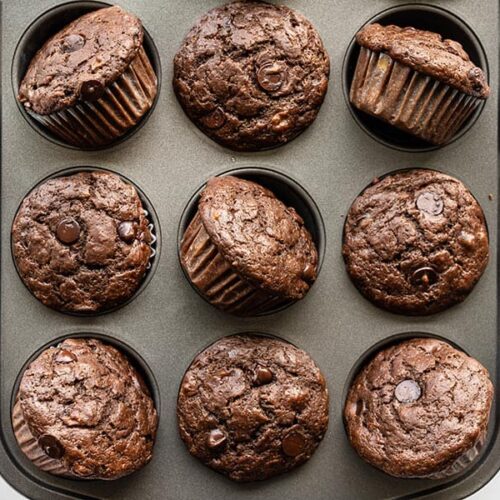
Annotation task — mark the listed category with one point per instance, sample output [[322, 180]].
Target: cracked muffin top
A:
[[416, 242], [429, 53], [252, 407], [252, 75], [81, 242], [418, 407], [81, 60], [88, 410], [265, 241]]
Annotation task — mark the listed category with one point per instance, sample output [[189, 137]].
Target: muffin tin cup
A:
[[211, 275], [117, 114], [155, 244], [436, 113]]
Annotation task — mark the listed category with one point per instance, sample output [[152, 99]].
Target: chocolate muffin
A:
[[82, 242], [252, 407], [245, 251], [83, 411], [91, 82], [416, 242], [252, 75], [417, 81], [419, 409]]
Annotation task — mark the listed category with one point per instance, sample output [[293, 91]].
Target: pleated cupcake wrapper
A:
[[409, 100], [151, 228], [124, 103], [30, 447], [214, 278]]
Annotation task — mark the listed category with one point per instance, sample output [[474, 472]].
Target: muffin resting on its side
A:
[[419, 409], [91, 82], [415, 242], [417, 81], [252, 407], [245, 251], [252, 75], [82, 243], [83, 411]]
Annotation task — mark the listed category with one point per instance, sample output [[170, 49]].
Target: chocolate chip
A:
[[407, 391], [424, 277], [216, 439], [68, 231], [51, 446], [430, 203], [215, 120], [271, 77], [72, 43], [127, 231], [263, 376], [91, 90], [293, 444], [64, 356]]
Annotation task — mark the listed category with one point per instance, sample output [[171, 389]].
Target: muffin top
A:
[[252, 407], [82, 242], [89, 409], [429, 53], [416, 242], [417, 407], [266, 242], [80, 61], [252, 75]]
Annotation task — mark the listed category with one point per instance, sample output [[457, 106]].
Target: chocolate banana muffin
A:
[[82, 242], [252, 75], [417, 81], [83, 411], [419, 409], [252, 407], [245, 251], [92, 81], [416, 242]]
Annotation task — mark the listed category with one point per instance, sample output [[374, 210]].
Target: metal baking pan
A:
[[168, 323]]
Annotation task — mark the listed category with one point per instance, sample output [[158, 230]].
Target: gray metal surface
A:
[[168, 323]]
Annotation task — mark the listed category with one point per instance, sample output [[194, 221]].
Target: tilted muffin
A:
[[419, 409], [83, 411], [416, 242], [91, 82], [252, 407], [245, 251], [417, 81], [252, 75], [82, 242]]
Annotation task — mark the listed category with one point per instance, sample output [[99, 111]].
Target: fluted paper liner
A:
[[124, 103], [409, 100], [215, 279]]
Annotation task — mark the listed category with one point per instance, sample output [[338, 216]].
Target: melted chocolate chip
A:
[[51, 446], [263, 376], [64, 356], [215, 120], [91, 90], [407, 391], [293, 444], [430, 203], [271, 77], [68, 231], [127, 231], [216, 439], [72, 43], [424, 277]]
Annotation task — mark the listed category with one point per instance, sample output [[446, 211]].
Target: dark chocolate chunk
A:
[[127, 231], [68, 231], [294, 444], [51, 446]]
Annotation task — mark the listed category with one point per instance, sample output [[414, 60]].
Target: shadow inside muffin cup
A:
[[425, 17], [154, 226], [287, 190], [39, 31]]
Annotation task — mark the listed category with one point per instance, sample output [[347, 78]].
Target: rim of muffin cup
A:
[[36, 34], [154, 225], [420, 16], [286, 189]]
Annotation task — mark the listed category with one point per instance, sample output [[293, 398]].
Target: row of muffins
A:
[[250, 75]]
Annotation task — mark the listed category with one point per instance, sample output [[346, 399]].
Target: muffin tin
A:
[[168, 324]]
